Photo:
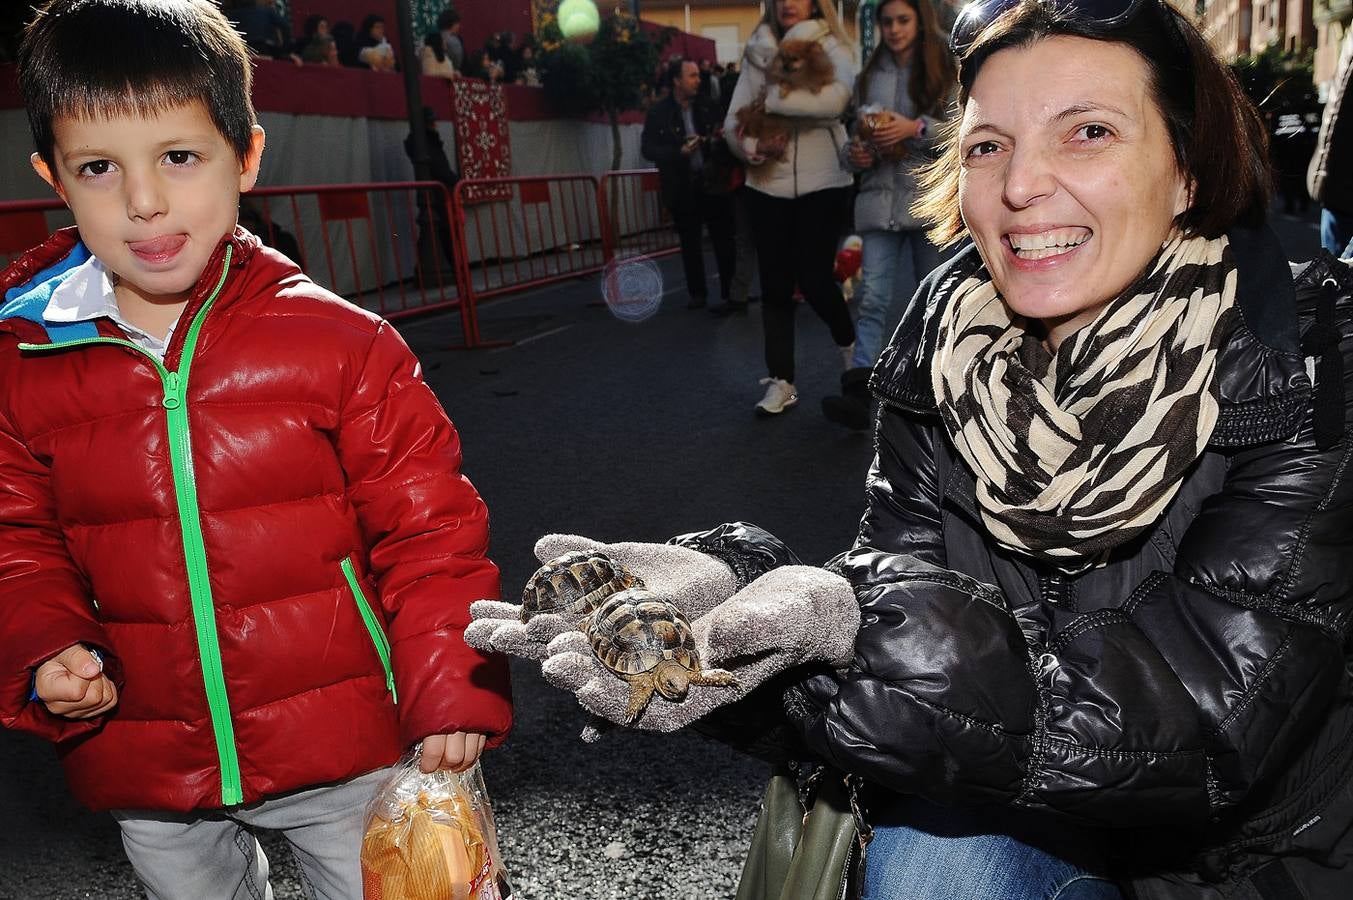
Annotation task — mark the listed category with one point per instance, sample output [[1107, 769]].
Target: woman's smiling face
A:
[[1069, 183]]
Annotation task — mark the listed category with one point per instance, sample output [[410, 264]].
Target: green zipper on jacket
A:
[[373, 625], [190, 519]]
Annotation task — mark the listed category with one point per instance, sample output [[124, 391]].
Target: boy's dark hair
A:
[[95, 58], [1220, 143]]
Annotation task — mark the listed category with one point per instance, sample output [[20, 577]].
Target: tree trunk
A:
[[614, 116]]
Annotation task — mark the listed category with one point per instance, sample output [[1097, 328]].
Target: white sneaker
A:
[[847, 354], [780, 396]]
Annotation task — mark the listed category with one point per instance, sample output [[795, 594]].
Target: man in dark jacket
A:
[[1330, 177], [434, 217], [681, 135]]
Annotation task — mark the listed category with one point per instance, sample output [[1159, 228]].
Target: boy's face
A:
[[152, 196]]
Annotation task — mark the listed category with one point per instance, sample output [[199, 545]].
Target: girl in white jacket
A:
[[797, 189]]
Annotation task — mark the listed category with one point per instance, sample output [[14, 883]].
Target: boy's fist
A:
[[72, 684], [456, 752]]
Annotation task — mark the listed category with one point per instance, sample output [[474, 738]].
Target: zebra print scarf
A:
[[1081, 451]]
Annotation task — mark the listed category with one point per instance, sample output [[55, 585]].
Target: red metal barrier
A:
[[25, 223], [630, 203], [403, 248], [388, 247], [546, 229]]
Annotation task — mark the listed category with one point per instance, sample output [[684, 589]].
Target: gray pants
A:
[[214, 856]]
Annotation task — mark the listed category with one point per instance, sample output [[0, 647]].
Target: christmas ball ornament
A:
[[579, 20]]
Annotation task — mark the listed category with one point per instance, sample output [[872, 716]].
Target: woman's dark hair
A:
[[370, 22], [1219, 140], [933, 73], [312, 26], [447, 19], [433, 39], [84, 58]]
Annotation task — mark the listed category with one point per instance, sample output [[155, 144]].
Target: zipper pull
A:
[[173, 396]]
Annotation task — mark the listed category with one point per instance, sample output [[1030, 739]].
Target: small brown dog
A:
[[801, 66]]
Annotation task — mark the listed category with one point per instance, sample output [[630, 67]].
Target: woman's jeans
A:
[[1336, 231], [922, 851], [892, 265]]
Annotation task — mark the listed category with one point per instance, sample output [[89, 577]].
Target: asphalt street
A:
[[614, 430]]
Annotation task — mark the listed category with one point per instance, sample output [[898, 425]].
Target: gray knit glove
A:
[[788, 617], [692, 581]]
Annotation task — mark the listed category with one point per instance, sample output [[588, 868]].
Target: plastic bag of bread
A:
[[871, 117], [432, 837]]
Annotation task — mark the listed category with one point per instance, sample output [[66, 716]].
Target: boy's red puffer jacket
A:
[[268, 537]]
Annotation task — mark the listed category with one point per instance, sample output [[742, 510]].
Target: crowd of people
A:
[[441, 54], [845, 158], [768, 163]]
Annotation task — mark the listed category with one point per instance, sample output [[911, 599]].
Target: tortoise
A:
[[574, 585], [648, 642]]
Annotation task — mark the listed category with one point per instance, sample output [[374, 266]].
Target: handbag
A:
[[812, 852]]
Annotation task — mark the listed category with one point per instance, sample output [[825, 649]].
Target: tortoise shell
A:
[[634, 631], [574, 585]]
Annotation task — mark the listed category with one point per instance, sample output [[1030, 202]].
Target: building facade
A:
[[1227, 25], [1240, 27], [729, 23], [1331, 21]]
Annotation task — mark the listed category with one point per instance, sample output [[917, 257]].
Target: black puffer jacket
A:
[[1193, 690]]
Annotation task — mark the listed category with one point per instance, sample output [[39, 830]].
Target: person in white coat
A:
[[910, 79], [797, 187]]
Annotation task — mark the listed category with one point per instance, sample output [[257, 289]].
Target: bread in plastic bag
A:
[[432, 837]]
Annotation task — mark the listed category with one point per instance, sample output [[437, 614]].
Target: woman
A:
[[373, 47], [910, 79], [1100, 412], [528, 73], [797, 187], [316, 26], [1104, 574], [434, 59]]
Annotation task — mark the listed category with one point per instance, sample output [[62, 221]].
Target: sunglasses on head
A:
[[977, 15]]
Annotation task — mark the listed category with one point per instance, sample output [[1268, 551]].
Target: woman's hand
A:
[[860, 156], [893, 130], [695, 582], [457, 751], [772, 147], [791, 616]]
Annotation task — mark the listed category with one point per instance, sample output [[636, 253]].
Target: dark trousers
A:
[[700, 211], [434, 233], [796, 244]]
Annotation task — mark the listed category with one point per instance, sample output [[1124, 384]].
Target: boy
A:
[[236, 552]]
